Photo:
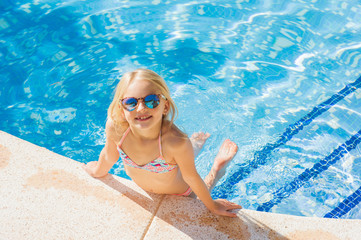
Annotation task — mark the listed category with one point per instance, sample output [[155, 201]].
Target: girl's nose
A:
[[141, 106]]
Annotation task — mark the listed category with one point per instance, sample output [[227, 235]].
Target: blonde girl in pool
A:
[[157, 156]]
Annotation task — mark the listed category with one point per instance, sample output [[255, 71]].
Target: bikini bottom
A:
[[186, 193]]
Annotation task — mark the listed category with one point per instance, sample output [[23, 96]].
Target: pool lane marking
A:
[[346, 205], [313, 172], [261, 156]]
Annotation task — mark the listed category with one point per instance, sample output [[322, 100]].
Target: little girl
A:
[[157, 156]]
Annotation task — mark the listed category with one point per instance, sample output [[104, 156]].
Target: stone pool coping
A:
[[48, 196]]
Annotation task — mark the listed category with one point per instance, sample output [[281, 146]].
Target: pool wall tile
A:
[[48, 196]]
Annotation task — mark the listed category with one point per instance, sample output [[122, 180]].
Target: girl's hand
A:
[[90, 167], [222, 207]]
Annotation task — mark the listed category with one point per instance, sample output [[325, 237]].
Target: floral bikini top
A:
[[158, 165]]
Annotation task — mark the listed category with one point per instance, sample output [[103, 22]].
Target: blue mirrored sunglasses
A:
[[151, 101]]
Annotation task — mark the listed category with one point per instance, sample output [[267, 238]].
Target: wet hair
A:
[[115, 110]]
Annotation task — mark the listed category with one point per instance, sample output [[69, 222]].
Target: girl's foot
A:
[[225, 154], [198, 139]]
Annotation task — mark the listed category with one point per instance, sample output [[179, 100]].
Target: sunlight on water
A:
[[243, 70]]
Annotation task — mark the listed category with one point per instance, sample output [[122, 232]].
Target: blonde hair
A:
[[115, 111]]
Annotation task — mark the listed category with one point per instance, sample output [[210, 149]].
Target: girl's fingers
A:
[[226, 207], [85, 167], [228, 214], [233, 214], [235, 206], [230, 205]]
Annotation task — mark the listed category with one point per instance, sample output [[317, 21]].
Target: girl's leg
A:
[[224, 156]]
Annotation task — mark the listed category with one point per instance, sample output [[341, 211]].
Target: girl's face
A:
[[143, 117]]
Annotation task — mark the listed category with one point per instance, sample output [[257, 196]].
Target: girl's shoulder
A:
[[173, 137], [114, 131]]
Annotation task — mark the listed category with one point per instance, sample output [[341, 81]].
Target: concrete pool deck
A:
[[48, 196]]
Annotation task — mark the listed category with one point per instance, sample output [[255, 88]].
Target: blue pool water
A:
[[265, 74]]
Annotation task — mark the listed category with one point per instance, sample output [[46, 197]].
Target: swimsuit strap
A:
[[160, 143], [123, 137], [159, 140]]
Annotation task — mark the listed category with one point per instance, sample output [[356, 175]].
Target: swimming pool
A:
[[251, 71]]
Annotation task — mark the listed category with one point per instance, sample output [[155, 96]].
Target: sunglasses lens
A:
[[129, 103], [151, 101]]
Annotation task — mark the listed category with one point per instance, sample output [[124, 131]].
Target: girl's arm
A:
[[107, 158], [184, 157]]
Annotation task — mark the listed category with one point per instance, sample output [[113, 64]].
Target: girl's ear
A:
[[166, 108]]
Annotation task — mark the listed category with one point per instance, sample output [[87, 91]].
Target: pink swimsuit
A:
[[158, 165]]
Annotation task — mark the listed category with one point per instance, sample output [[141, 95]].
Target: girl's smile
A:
[[143, 118]]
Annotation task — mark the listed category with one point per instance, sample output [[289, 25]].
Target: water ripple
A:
[[246, 68]]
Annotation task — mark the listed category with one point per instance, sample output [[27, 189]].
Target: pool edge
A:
[[49, 195]]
